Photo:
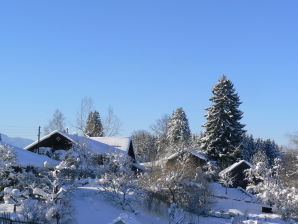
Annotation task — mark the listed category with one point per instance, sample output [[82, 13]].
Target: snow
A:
[[240, 204], [121, 143], [90, 207], [101, 145], [228, 169], [27, 158], [192, 151], [19, 142], [139, 166], [197, 154]]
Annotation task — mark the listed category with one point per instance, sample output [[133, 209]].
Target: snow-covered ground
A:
[[27, 158], [17, 141], [92, 208], [239, 204]]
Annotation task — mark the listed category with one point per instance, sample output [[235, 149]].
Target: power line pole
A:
[[38, 139]]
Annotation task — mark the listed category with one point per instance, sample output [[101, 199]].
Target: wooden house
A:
[[58, 140], [237, 172]]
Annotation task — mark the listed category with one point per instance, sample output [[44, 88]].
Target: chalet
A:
[[237, 172], [58, 140]]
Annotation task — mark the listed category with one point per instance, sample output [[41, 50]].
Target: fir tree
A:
[[223, 134], [248, 147], [94, 126], [178, 133]]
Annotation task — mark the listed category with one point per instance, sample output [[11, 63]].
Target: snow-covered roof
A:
[[197, 154], [233, 166], [48, 136], [121, 143], [191, 151], [98, 145], [27, 158]]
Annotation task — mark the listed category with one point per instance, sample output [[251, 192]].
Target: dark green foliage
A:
[[94, 126], [223, 134]]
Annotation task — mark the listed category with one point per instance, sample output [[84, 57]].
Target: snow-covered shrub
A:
[[8, 174], [268, 185], [144, 145], [78, 163], [119, 188], [227, 179], [118, 180], [185, 187], [179, 216]]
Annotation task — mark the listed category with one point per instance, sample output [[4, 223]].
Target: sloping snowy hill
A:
[[234, 207], [26, 158], [19, 142]]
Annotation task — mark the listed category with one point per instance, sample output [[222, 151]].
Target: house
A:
[[59, 141], [196, 159], [237, 172]]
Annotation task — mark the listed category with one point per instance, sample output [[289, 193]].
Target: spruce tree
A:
[[93, 125], [223, 130], [178, 133]]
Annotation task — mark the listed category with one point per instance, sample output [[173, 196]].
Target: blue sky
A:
[[146, 58]]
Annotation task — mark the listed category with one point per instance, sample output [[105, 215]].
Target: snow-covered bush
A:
[[144, 145], [268, 185], [8, 174], [118, 180], [185, 187]]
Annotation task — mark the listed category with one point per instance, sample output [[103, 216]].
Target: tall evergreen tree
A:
[[248, 147], [178, 133], [94, 126], [223, 134]]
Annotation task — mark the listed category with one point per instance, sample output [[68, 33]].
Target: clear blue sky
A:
[[146, 58]]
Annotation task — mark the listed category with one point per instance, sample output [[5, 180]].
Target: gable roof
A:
[[235, 165], [194, 152], [26, 158], [98, 145]]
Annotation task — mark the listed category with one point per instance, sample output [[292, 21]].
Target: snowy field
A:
[[91, 207]]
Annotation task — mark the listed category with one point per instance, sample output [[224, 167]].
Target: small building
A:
[[196, 158], [237, 172], [58, 140]]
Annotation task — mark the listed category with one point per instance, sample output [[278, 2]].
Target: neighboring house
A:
[[194, 157], [25, 158], [57, 141], [237, 173]]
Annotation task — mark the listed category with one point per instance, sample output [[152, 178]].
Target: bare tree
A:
[[160, 129], [111, 123], [57, 123], [83, 112], [145, 145], [227, 180]]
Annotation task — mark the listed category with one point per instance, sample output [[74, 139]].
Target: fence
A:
[[5, 218]]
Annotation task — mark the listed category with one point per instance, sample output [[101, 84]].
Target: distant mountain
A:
[[16, 141]]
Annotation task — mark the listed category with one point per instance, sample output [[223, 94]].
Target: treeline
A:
[[224, 139]]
